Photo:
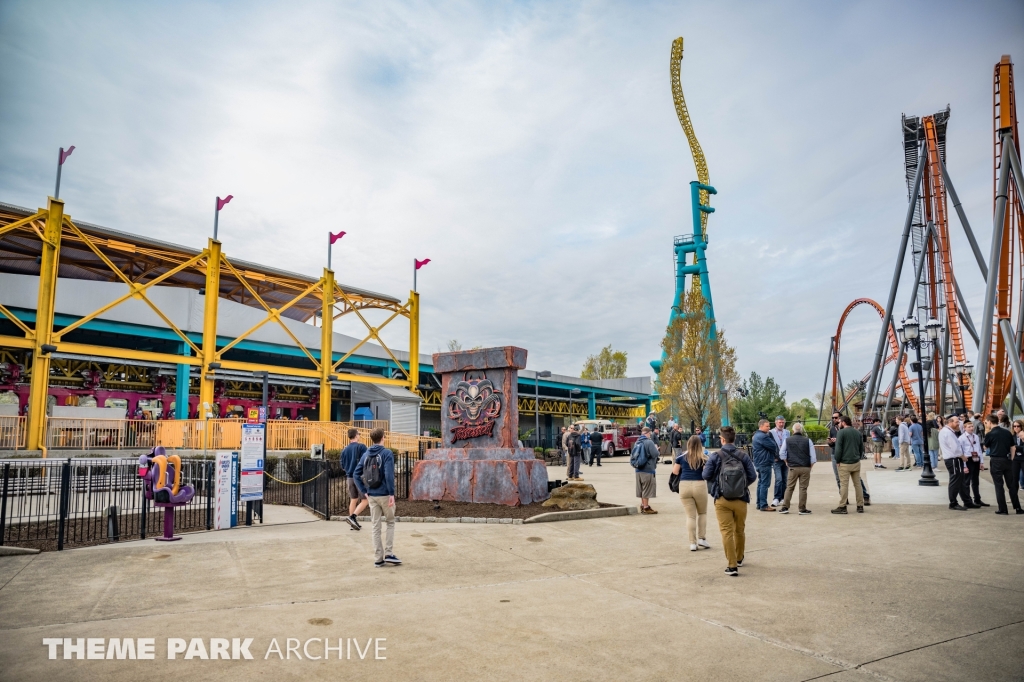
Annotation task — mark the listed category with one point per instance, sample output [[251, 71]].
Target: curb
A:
[[433, 519], [17, 551], [579, 514]]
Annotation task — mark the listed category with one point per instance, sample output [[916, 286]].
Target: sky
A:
[[529, 149]]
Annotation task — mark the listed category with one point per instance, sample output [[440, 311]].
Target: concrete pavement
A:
[[907, 591]]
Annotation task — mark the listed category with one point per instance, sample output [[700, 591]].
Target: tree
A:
[[693, 363], [762, 397], [454, 345], [804, 411], [608, 364]]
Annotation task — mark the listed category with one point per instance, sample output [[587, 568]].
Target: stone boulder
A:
[[573, 496]]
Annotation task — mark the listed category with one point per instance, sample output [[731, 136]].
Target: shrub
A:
[[270, 464], [816, 432]]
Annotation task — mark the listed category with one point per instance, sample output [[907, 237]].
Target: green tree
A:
[[608, 364], [761, 396], [804, 411], [688, 382]]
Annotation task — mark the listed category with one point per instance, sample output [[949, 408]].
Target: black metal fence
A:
[[55, 504]]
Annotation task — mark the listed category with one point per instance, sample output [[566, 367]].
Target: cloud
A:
[[531, 150]]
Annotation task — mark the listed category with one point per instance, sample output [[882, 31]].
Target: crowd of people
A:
[[787, 457]]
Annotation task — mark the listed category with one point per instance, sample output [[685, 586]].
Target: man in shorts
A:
[[350, 457]]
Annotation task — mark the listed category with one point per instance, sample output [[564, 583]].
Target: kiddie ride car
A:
[[161, 475]]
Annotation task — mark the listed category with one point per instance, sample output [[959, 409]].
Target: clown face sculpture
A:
[[473, 401]]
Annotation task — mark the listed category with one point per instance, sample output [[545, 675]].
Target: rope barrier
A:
[[295, 482]]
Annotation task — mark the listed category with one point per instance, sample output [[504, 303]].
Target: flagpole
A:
[[216, 216], [414, 270], [60, 164], [329, 243]]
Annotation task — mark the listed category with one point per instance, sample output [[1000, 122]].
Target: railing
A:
[[12, 433], [194, 434]]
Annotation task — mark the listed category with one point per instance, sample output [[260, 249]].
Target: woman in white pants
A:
[[693, 491]]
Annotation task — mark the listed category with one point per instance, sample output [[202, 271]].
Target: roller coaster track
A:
[[675, 61], [894, 347], [1009, 283]]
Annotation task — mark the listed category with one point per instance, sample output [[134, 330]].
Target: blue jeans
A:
[[933, 455], [764, 481], [918, 449], [781, 470]]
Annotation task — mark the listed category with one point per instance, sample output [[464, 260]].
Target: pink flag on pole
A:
[[65, 154], [336, 237], [221, 203], [420, 263]]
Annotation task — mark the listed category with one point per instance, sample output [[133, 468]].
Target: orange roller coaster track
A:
[[894, 347]]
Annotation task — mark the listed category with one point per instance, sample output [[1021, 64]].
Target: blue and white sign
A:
[[252, 462]]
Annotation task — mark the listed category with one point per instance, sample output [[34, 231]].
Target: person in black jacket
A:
[[732, 514], [573, 453]]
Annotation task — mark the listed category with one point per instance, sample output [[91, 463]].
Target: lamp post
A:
[[536, 403], [910, 336], [963, 380]]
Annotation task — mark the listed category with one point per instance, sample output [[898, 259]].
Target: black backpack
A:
[[732, 478], [373, 477]]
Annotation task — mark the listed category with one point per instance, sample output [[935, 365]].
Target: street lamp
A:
[[910, 336], [963, 371], [536, 403]]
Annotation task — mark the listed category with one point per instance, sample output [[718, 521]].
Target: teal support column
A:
[[181, 390], [591, 406]]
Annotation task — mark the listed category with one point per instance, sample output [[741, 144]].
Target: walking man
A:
[[675, 438], [766, 451], [953, 457], [730, 474], [799, 455], [971, 447], [877, 434], [573, 454], [350, 457], [644, 460], [780, 433], [906, 463], [375, 478], [1002, 449], [849, 449]]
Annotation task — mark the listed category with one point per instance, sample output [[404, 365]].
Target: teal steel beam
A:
[[181, 388]]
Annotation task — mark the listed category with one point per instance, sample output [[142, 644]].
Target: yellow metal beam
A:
[[414, 341], [18, 323], [308, 373], [124, 353], [48, 263], [41, 213], [16, 342], [209, 351], [326, 343]]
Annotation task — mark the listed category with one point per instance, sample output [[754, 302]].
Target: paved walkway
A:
[[907, 591]]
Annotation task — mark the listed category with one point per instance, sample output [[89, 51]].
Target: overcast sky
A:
[[531, 150]]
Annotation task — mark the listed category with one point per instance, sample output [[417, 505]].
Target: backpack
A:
[[877, 433], [373, 477], [732, 478], [638, 457]]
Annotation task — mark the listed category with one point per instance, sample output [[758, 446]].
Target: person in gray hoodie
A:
[[646, 481], [381, 497]]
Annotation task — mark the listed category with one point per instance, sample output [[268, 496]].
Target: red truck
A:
[[615, 438]]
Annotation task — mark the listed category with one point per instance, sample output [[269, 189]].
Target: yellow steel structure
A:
[[100, 254], [675, 62]]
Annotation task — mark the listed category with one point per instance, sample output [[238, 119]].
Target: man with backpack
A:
[[644, 460], [573, 454], [877, 434], [350, 457], [731, 473], [375, 478]]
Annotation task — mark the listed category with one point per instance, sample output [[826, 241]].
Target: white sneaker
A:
[[693, 548], [776, 502], [703, 543]]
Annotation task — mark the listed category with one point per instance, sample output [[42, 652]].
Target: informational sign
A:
[[225, 513], [262, 414], [253, 415], [252, 462]]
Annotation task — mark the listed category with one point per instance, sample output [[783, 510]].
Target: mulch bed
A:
[[450, 510]]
